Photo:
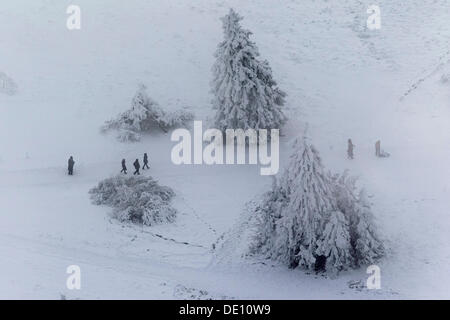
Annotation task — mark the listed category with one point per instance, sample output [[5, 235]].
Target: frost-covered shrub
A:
[[177, 118], [137, 199], [144, 116], [315, 221], [7, 85], [126, 135], [245, 94]]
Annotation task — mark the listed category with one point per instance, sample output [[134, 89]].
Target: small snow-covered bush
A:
[[137, 199], [7, 85], [145, 115]]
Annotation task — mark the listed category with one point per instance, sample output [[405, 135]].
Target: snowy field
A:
[[342, 79]]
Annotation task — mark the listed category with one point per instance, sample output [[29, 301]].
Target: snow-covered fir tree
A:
[[145, 115], [334, 247], [245, 94], [312, 220], [366, 242], [309, 202], [368, 246]]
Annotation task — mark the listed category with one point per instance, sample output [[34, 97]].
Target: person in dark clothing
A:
[[145, 162], [378, 148], [350, 148], [70, 166], [137, 166], [124, 167]]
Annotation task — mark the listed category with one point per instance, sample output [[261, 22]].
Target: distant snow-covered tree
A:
[[145, 115], [245, 94], [135, 199], [7, 85], [315, 221]]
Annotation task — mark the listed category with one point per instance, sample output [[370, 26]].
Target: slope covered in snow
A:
[[342, 79]]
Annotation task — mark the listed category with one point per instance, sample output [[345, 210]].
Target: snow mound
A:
[[186, 293], [445, 78], [136, 199]]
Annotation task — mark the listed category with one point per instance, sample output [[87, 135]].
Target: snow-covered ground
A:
[[344, 80]]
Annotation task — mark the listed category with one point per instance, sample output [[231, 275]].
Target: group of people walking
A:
[[136, 164], [378, 152]]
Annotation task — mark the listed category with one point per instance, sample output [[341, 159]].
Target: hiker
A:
[[70, 166], [379, 152], [124, 167], [137, 166], [350, 149], [145, 162], [378, 148]]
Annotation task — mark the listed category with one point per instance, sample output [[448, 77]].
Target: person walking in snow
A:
[[378, 148], [124, 167], [145, 162], [137, 166], [350, 148], [71, 163], [380, 153]]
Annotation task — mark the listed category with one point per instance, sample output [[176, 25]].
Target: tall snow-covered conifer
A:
[[313, 220], [310, 202], [245, 94]]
